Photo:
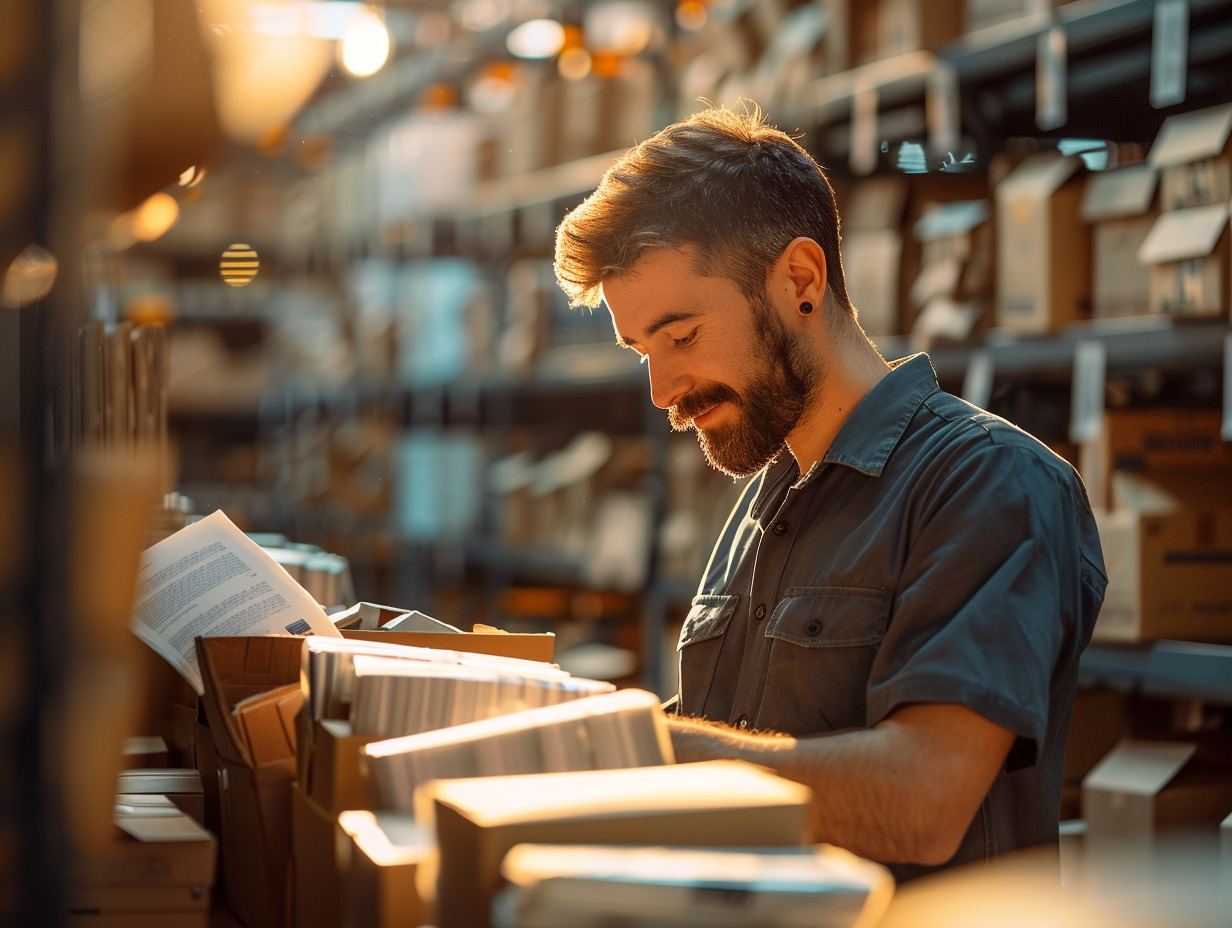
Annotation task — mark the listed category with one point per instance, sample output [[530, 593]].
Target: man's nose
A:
[[668, 384]]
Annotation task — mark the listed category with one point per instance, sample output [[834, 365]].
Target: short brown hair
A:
[[726, 182]]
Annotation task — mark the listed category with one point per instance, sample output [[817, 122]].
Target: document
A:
[[209, 579]]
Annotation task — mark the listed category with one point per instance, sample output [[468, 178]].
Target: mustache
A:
[[680, 416]]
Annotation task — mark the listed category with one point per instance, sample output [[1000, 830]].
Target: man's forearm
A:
[[897, 793]]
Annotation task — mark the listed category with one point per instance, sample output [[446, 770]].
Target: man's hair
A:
[[737, 189]]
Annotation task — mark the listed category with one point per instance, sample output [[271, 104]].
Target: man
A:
[[895, 610]]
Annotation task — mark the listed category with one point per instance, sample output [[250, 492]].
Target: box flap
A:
[[1039, 176], [1141, 768], [235, 668], [1163, 492], [1184, 233], [532, 647], [947, 219], [267, 724], [1119, 193], [1189, 137]]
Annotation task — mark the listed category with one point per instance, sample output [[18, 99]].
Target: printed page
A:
[[209, 579]]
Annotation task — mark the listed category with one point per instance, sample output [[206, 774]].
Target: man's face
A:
[[718, 363]]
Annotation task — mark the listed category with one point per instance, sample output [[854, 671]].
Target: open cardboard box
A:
[[1043, 246], [379, 857], [1165, 547], [1147, 790], [476, 821], [256, 763], [159, 865]]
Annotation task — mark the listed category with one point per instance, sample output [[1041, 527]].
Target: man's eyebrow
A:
[[656, 324], [667, 319]]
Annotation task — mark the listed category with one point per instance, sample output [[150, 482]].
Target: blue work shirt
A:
[[936, 554]]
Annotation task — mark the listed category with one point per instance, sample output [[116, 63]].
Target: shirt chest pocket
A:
[[830, 616], [823, 641], [701, 640]]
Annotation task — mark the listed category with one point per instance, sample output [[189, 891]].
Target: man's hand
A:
[[904, 791]]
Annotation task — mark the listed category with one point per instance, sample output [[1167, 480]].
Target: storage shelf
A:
[[1130, 344], [1162, 669]]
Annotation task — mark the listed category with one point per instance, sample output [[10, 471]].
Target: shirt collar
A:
[[875, 426], [870, 433]]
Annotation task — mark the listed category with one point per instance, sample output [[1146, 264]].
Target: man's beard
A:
[[786, 375]]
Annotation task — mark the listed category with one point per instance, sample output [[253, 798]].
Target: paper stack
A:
[[613, 730], [579, 886], [402, 697]]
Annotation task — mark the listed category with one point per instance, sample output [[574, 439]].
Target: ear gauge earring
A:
[[806, 308]]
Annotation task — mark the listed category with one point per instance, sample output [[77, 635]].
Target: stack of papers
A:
[[613, 730], [395, 697]]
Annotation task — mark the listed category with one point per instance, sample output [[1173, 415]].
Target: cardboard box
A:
[[872, 250], [1118, 205], [335, 780], [1187, 253], [533, 647], [1043, 246], [316, 881], [476, 821], [1147, 790], [915, 25], [382, 852], [1192, 151], [254, 798], [1152, 441], [1169, 574], [159, 863]]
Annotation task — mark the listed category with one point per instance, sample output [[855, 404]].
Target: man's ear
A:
[[802, 271]]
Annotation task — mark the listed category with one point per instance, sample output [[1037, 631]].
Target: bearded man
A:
[[895, 610]]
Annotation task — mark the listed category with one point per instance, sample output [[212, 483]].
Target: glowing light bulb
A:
[[154, 216], [536, 38], [239, 265], [365, 47]]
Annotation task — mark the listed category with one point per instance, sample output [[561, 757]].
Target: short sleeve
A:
[[990, 595]]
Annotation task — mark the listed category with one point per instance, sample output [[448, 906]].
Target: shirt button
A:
[[813, 628], [760, 611], [780, 528], [742, 722]]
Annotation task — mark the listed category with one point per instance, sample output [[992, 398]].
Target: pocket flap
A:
[[708, 618], [831, 616]]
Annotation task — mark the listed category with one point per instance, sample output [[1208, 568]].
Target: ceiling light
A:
[[365, 47], [536, 38]]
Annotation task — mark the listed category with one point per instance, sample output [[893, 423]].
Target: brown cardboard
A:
[[383, 853], [1145, 790], [317, 884], [476, 821], [872, 252], [335, 780], [1169, 575], [266, 722], [233, 669], [534, 647], [138, 920], [1118, 205], [1187, 253], [254, 800], [1192, 150], [256, 840], [916, 25], [148, 872], [1153, 441], [1043, 246]]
